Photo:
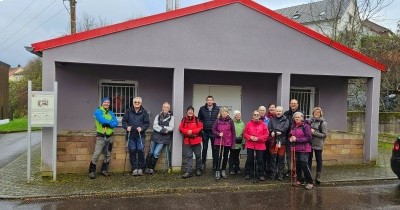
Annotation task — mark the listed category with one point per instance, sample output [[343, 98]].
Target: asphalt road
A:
[[367, 195], [14, 144]]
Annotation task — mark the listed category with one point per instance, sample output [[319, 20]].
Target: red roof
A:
[[65, 40]]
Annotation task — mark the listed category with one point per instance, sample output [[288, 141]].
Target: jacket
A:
[[193, 124], [208, 117], [102, 116], [239, 127], [303, 137], [279, 124], [318, 137], [163, 126], [136, 119], [258, 129], [226, 126]]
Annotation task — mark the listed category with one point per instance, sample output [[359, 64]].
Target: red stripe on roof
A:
[[57, 42]]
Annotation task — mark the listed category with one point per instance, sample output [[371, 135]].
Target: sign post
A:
[[42, 112]]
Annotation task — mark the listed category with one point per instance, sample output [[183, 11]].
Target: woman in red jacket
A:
[[255, 133], [191, 128]]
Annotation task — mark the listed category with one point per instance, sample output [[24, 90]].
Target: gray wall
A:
[[78, 91]]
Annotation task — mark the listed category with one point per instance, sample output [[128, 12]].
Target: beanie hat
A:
[[105, 99], [190, 107], [236, 112]]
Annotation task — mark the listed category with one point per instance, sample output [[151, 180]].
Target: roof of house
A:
[[39, 47], [375, 27], [316, 11], [15, 71]]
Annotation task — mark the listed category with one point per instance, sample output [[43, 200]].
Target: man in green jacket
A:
[[105, 121]]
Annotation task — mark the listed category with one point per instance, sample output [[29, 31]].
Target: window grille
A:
[[121, 93], [306, 98]]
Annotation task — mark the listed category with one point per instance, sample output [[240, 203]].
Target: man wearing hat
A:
[[105, 121]]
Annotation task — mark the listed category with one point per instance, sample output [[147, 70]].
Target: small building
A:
[[242, 53], [4, 90], [16, 73]]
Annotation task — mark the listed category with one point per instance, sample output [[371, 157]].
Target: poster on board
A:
[[42, 109]]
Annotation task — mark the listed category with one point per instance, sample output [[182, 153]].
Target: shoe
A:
[[247, 176], [217, 175], [92, 175], [140, 172], [186, 175], [239, 172], [150, 171], [309, 186], [272, 176], [198, 173], [223, 174], [280, 177], [135, 172], [297, 183], [262, 178], [203, 167], [105, 173], [232, 173], [318, 178]]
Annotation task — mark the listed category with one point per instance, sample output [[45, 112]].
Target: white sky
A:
[[23, 22]]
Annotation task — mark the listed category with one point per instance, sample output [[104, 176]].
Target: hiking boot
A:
[[203, 167], [150, 171], [198, 172], [223, 174], [135, 172], [262, 178], [318, 178], [309, 186], [232, 173], [239, 172], [92, 175], [140, 172], [272, 176], [247, 176], [105, 173], [217, 175], [280, 177], [186, 175]]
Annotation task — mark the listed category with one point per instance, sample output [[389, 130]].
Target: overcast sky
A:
[[23, 22]]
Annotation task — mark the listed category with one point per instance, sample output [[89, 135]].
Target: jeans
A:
[[318, 159], [302, 167], [103, 146], [207, 134], [155, 149], [189, 150], [250, 162], [136, 147]]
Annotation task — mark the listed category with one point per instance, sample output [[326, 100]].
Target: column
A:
[[177, 104], [283, 90]]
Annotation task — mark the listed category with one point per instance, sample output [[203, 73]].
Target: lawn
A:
[[16, 125]]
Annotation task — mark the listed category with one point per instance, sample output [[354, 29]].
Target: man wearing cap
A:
[[105, 121]]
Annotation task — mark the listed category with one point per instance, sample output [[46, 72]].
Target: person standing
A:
[[319, 131], [136, 121], [278, 127], [301, 138], [207, 115], [234, 155], [255, 134], [225, 138], [191, 128], [105, 121], [163, 126]]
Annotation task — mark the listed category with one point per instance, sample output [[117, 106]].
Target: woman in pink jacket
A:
[[256, 134]]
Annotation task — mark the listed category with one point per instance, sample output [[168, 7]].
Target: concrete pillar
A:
[[372, 119], [177, 104], [283, 90], [48, 78]]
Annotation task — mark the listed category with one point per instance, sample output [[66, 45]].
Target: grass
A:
[[385, 146], [16, 125]]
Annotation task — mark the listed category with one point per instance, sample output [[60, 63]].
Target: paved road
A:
[[14, 144], [364, 195]]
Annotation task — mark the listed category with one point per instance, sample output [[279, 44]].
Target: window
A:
[[121, 93], [306, 98]]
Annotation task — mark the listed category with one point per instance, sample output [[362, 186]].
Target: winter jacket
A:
[[102, 116], [226, 126], [303, 137], [280, 124], [239, 127], [289, 115], [259, 130], [162, 128], [194, 124], [321, 130], [136, 119], [208, 117]]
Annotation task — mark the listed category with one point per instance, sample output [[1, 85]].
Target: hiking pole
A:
[[106, 153], [219, 156], [255, 161], [126, 150], [293, 174]]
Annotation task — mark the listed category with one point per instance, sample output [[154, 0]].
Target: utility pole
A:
[[72, 4]]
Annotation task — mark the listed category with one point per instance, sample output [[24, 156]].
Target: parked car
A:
[[395, 159]]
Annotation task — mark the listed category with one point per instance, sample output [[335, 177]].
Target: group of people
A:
[[269, 139]]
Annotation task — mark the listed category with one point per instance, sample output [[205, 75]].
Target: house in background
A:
[[4, 90], [16, 73], [370, 28], [242, 53]]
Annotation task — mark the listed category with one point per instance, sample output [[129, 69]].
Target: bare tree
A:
[[88, 22]]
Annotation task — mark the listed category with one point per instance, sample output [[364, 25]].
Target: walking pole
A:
[[293, 174], [106, 144], [126, 150], [255, 161], [219, 156]]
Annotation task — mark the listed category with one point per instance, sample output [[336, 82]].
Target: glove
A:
[[105, 125]]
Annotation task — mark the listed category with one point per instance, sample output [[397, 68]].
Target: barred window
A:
[[306, 98], [121, 93]]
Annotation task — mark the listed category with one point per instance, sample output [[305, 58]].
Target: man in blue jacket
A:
[[136, 121], [105, 121]]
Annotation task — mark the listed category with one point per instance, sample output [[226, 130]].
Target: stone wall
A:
[[389, 122], [343, 148]]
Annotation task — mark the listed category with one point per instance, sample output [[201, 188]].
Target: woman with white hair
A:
[[234, 162], [300, 136]]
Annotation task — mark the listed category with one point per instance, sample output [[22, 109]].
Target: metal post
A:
[[28, 163], [55, 132]]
